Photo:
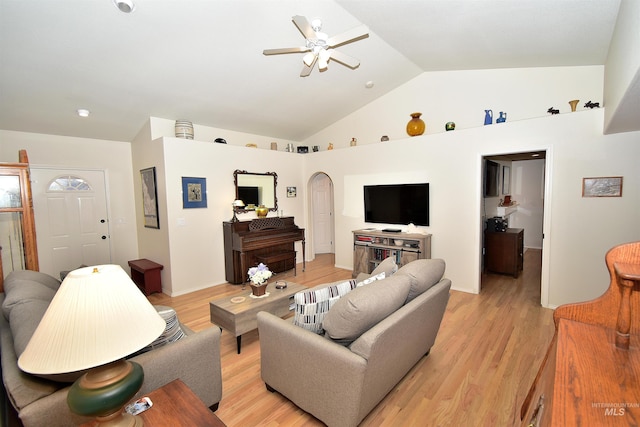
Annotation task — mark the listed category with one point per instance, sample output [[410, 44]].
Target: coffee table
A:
[[241, 317]]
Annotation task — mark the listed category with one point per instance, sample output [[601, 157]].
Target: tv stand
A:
[[370, 247]]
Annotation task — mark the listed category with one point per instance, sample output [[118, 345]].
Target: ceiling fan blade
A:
[[306, 70], [347, 60], [352, 35], [303, 25], [285, 50]]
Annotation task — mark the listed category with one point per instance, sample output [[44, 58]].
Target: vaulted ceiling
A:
[[203, 61]]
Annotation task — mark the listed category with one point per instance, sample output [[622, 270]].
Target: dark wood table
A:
[[176, 405]]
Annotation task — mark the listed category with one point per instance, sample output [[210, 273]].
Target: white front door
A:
[[322, 210], [72, 227]]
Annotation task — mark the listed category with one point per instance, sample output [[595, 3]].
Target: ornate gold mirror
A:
[[256, 189]]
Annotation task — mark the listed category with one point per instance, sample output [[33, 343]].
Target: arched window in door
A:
[[69, 183]]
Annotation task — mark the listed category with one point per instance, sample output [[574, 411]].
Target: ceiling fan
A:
[[320, 47]]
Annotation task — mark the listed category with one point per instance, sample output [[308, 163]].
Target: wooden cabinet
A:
[[370, 247], [585, 380], [504, 251], [591, 372]]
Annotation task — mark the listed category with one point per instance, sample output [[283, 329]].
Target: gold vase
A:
[[262, 211], [416, 125], [573, 104]]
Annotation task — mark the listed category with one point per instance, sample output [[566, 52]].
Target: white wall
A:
[[623, 67], [189, 242], [577, 239], [462, 97], [527, 178], [114, 157]]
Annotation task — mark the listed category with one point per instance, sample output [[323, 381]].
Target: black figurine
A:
[[592, 105], [553, 110]]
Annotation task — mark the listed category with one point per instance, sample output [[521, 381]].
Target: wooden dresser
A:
[[591, 373]]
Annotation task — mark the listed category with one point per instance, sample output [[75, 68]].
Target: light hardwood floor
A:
[[479, 371]]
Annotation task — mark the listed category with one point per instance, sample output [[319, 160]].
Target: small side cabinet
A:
[[504, 251]]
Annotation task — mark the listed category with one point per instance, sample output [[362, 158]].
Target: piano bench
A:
[[279, 256]]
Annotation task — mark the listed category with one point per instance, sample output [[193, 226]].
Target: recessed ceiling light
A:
[[83, 112], [125, 6]]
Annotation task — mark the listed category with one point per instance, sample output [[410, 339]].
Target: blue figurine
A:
[[488, 117], [502, 118]]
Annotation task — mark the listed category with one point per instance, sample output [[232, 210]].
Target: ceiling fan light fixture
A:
[[125, 6], [323, 60], [308, 59]]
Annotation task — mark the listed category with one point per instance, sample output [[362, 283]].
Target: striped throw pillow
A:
[[312, 305]]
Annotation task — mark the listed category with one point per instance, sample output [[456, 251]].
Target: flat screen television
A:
[[397, 204]]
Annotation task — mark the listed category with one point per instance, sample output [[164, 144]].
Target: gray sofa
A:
[[195, 358], [340, 374]]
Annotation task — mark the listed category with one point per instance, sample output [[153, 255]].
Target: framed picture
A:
[[150, 197], [608, 186], [291, 192], [506, 179], [194, 192]]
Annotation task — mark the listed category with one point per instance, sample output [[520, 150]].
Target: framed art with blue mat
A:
[[194, 192]]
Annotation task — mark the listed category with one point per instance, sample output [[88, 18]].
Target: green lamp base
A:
[[103, 391]]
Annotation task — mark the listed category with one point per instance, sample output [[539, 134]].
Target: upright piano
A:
[[268, 240]]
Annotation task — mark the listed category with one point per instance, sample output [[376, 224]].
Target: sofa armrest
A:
[[194, 359], [310, 370]]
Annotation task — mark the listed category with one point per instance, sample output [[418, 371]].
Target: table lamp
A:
[[96, 319], [236, 204]]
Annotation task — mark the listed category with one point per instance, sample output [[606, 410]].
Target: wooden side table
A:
[[146, 274], [176, 405]]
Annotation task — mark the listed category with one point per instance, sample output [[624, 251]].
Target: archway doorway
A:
[[321, 214]]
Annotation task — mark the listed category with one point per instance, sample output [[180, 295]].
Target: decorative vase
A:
[[502, 118], [488, 117], [416, 125], [353, 142], [259, 290], [573, 104], [450, 126], [262, 211], [184, 129]]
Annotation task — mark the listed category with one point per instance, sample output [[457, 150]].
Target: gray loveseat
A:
[[370, 338], [195, 358]]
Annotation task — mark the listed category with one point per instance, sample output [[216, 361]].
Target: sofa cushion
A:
[[21, 290], [364, 307], [424, 273], [388, 266], [312, 305], [371, 279], [19, 277], [24, 320]]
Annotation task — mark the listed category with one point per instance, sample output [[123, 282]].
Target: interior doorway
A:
[[321, 212], [518, 194]]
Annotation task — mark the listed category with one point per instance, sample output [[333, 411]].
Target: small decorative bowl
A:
[[398, 242]]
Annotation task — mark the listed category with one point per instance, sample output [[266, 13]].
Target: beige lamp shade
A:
[[97, 316]]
